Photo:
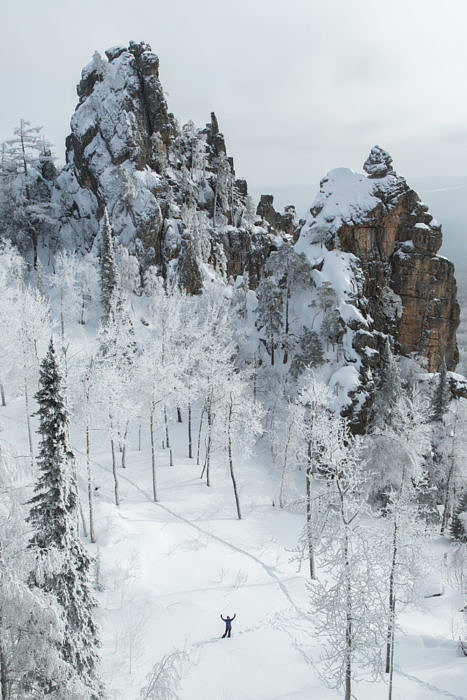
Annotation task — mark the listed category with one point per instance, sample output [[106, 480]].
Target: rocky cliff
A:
[[362, 265], [408, 290], [171, 192]]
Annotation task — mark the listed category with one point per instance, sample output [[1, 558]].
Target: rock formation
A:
[[171, 192], [408, 290], [368, 246]]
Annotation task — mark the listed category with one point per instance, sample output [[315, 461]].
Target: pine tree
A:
[[459, 520], [270, 312], [442, 394], [108, 277], [390, 388], [62, 564]]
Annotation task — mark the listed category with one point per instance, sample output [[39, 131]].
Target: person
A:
[[228, 625]]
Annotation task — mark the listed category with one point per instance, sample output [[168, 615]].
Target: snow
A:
[[170, 569]]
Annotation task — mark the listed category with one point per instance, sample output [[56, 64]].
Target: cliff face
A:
[[363, 264], [170, 191], [408, 290]]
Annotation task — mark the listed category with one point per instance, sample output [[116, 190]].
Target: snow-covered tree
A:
[[389, 388], [33, 329], [108, 268], [346, 601], [242, 421], [270, 314], [451, 454], [25, 181], [62, 565], [442, 394], [459, 520], [164, 679], [115, 364]]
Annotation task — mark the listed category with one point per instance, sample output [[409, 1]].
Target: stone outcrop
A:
[[279, 224], [174, 201], [170, 192], [408, 290]]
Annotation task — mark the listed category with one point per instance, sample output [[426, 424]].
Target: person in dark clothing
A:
[[228, 625]]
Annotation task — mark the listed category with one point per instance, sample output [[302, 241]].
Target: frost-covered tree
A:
[[31, 629], [164, 679], [161, 366], [389, 388], [242, 422], [11, 274], [452, 461], [33, 329], [115, 363], [314, 400], [442, 394], [62, 565], [270, 314], [346, 602], [26, 174], [108, 267], [404, 555], [459, 520]]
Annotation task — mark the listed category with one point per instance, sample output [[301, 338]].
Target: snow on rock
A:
[[378, 219]]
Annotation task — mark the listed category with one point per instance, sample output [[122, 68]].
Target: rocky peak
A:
[[279, 224], [171, 192], [408, 291], [378, 163]]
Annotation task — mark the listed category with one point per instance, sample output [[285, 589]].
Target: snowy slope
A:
[[169, 570]]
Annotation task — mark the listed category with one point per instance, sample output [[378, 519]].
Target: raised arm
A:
[[233, 618]]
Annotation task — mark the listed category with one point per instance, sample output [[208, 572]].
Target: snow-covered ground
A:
[[168, 570]]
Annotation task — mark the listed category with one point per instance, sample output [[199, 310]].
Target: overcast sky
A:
[[299, 87]]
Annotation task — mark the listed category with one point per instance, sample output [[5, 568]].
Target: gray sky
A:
[[299, 87]]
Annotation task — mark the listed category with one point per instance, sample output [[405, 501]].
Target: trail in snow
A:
[[269, 569], [429, 686]]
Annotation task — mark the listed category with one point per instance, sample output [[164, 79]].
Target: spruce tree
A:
[[62, 564], [459, 520], [108, 271], [389, 390], [442, 394]]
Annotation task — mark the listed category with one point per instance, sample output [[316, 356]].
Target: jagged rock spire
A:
[[378, 163]]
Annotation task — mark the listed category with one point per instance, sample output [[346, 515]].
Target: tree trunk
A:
[[2, 392], [167, 440], [114, 465], [153, 457], [232, 475], [392, 601], [179, 415], [199, 433], [348, 630], [272, 350], [3, 675], [309, 532], [208, 446], [284, 470], [139, 438], [124, 444], [90, 488], [28, 421], [171, 462], [62, 320], [447, 494], [190, 445], [391, 674]]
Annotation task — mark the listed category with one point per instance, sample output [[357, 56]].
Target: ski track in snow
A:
[[428, 686], [275, 579], [269, 569]]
